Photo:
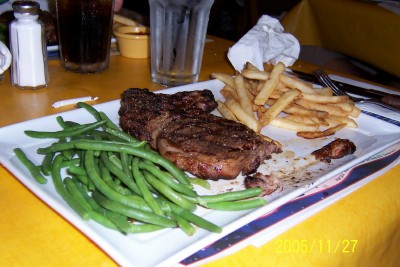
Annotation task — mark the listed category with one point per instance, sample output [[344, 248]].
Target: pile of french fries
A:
[[259, 98]]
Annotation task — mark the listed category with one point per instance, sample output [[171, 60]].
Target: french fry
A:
[[275, 95], [223, 77], [270, 84], [335, 120], [124, 20], [228, 91], [270, 92], [332, 110], [296, 109], [260, 85], [293, 125], [319, 121], [242, 115], [243, 94], [325, 99], [319, 134], [300, 118], [253, 85], [225, 111], [324, 91], [255, 74], [249, 66], [297, 84], [346, 106], [355, 112], [308, 119], [278, 106]]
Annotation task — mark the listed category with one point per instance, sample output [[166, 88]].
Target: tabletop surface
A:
[[35, 235]]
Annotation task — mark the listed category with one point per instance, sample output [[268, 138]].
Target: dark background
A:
[[229, 19]]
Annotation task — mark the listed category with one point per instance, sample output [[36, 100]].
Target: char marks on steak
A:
[[180, 127]]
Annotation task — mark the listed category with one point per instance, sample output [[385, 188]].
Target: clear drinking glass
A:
[[84, 30], [177, 34]]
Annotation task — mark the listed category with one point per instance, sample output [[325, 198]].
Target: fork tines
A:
[[324, 79]]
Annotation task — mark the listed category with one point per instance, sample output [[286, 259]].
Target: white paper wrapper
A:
[[266, 42], [72, 101]]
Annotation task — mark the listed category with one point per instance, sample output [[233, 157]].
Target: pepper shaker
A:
[[28, 47]]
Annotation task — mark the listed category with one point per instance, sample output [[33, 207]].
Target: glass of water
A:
[[177, 34]]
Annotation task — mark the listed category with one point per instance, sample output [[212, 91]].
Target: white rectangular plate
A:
[[168, 247]]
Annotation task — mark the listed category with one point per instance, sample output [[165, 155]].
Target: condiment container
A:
[[28, 47], [133, 41]]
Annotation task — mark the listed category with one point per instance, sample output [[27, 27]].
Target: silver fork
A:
[[324, 79]]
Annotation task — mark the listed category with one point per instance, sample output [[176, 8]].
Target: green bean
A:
[[238, 205], [107, 178], [72, 189], [68, 153], [122, 221], [128, 181], [184, 225], [102, 218], [117, 219], [132, 228], [156, 158], [228, 196], [69, 162], [47, 162], [200, 182], [80, 173], [124, 136], [168, 192], [59, 186], [77, 170], [90, 109], [32, 168], [141, 182], [64, 133], [56, 147], [109, 123], [93, 145], [135, 202], [193, 218], [97, 135], [137, 214], [166, 179], [126, 165], [114, 159], [65, 124], [83, 179]]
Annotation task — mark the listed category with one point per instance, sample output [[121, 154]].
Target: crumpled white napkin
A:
[[265, 42], [5, 58]]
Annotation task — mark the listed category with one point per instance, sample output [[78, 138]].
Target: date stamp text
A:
[[316, 246]]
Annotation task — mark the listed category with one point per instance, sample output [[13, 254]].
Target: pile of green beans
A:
[[121, 183]]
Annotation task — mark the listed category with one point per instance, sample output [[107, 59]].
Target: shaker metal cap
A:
[[26, 7]]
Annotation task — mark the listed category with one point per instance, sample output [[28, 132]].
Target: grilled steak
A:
[[182, 129], [336, 149]]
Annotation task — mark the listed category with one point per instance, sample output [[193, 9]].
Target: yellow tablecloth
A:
[[359, 29], [32, 234]]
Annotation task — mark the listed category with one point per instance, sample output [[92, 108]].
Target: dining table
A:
[[363, 223]]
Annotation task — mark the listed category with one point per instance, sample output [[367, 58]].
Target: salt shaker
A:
[[28, 47]]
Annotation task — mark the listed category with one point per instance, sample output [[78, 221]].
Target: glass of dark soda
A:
[[84, 30]]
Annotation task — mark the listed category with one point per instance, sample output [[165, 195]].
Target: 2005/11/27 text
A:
[[316, 246]]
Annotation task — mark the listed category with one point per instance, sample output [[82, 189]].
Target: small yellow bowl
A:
[[133, 41]]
